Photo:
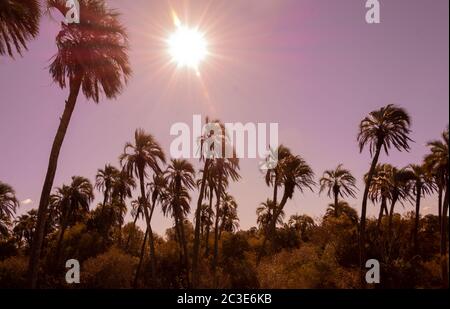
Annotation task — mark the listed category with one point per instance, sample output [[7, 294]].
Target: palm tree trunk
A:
[[198, 224], [362, 232], [208, 227], [336, 203], [440, 191], [271, 227], [383, 207], [391, 212], [134, 226], [444, 256], [141, 258], [216, 229], [416, 221], [149, 227], [59, 245], [36, 248], [185, 250]]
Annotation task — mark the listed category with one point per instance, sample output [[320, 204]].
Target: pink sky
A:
[[315, 67]]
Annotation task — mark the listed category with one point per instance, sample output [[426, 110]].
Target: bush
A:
[[112, 269], [13, 272]]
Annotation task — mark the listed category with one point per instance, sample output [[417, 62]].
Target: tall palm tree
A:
[[19, 23], [208, 212], [8, 201], [71, 201], [212, 136], [180, 179], [296, 174], [137, 158], [92, 57], [437, 163], [227, 169], [228, 215], [104, 181], [382, 129], [338, 182], [422, 185], [273, 176]]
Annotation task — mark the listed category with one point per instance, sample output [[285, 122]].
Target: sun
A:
[[187, 46]]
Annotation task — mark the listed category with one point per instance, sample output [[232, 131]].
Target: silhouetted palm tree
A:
[[264, 214], [144, 154], [180, 179], [212, 136], [437, 163], [8, 201], [345, 210], [382, 129], [274, 175], [296, 174], [303, 224], [380, 189], [422, 185], [338, 182], [104, 181], [70, 202], [92, 57], [24, 227], [210, 189], [19, 23], [400, 185]]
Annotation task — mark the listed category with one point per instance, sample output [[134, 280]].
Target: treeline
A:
[[279, 252]]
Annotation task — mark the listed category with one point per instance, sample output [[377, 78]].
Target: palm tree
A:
[[345, 210], [264, 214], [274, 175], [212, 136], [145, 153], [399, 180], [19, 23], [296, 174], [122, 186], [302, 224], [227, 168], [422, 186], [207, 213], [8, 201], [437, 163], [180, 179], [92, 57], [228, 215], [24, 227], [104, 181], [338, 182], [380, 189], [71, 201], [382, 128]]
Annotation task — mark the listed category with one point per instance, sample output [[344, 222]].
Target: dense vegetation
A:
[[211, 251]]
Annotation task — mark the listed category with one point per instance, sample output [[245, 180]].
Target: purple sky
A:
[[315, 67]]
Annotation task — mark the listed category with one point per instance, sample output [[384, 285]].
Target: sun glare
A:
[[187, 46]]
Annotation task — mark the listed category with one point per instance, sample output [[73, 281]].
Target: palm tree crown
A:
[[8, 201], [386, 127], [19, 23], [93, 51]]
